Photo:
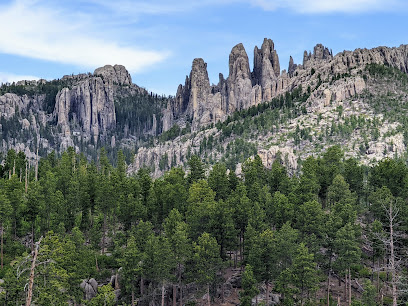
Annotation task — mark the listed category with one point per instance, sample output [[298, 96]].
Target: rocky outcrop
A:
[[90, 104], [339, 91], [330, 79], [286, 154], [10, 103], [239, 79], [116, 74], [205, 104], [292, 67], [320, 53], [266, 68], [90, 288]]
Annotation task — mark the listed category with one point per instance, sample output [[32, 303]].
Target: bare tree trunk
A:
[[26, 179], [141, 286], [103, 234], [133, 297], [180, 286], [162, 297], [31, 280], [208, 295], [36, 166], [2, 235], [328, 280], [328, 289], [349, 286], [345, 286], [174, 295], [32, 236], [392, 256], [267, 293]]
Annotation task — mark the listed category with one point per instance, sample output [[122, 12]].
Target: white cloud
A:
[[31, 29], [132, 8], [330, 6], [10, 78]]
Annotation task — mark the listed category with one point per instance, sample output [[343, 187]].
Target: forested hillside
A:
[[337, 232]]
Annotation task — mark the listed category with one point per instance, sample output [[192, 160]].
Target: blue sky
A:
[[157, 40]]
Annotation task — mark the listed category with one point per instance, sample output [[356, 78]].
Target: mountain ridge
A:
[[88, 111]]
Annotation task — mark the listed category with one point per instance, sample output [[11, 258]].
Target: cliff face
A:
[[204, 104], [74, 110], [89, 105], [330, 81]]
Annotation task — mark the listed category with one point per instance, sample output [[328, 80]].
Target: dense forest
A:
[[80, 233]]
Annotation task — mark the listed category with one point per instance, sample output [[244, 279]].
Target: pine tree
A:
[[218, 181], [206, 261], [304, 272], [5, 212], [196, 170], [348, 251], [249, 289]]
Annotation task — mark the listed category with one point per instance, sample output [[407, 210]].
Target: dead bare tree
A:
[[389, 239], [32, 271]]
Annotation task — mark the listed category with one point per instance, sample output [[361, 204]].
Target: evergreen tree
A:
[[218, 181], [5, 212], [196, 170], [304, 272], [132, 266], [249, 289], [206, 261]]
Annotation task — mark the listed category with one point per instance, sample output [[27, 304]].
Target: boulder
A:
[[90, 288]]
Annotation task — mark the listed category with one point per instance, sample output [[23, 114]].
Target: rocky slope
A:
[[327, 83], [88, 111], [77, 110], [204, 104]]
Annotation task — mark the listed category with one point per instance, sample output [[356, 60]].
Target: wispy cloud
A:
[[157, 7], [33, 29], [330, 6], [10, 77]]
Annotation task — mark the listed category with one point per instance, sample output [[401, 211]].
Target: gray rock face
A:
[[243, 89], [117, 74], [194, 93], [266, 63], [199, 88], [239, 79], [320, 53], [90, 288], [292, 67], [90, 103], [266, 68]]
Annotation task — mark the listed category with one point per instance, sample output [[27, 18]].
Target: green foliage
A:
[[206, 259], [105, 296], [179, 230], [369, 294], [196, 169], [249, 289]]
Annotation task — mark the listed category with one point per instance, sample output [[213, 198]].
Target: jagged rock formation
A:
[[90, 288], [266, 68], [292, 67], [320, 53], [239, 80], [204, 104], [74, 110], [90, 103], [330, 80], [80, 108]]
